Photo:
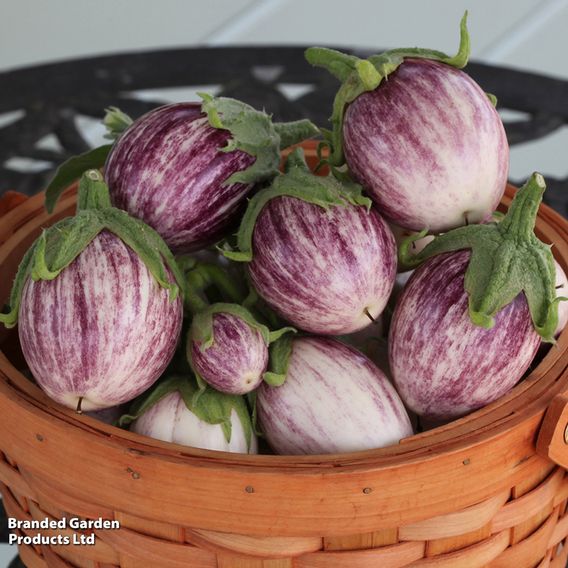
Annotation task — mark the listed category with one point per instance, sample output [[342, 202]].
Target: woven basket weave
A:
[[486, 490]]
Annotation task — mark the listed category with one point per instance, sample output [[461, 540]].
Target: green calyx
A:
[[208, 405], [253, 132], [299, 182], [506, 259], [116, 122], [59, 245], [361, 75], [492, 98]]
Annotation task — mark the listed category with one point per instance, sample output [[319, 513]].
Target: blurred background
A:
[[527, 35], [50, 107]]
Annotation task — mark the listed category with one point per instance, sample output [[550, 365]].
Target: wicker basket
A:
[[478, 492]]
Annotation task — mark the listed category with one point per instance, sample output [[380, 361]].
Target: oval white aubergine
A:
[[334, 400], [168, 170], [323, 269], [170, 420], [428, 146], [103, 330], [443, 365], [236, 360]]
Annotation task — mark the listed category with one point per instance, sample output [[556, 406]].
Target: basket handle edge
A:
[[552, 441]]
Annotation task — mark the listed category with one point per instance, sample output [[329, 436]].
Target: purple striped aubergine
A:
[[334, 400], [171, 421], [236, 360], [562, 290], [428, 146], [443, 365], [323, 269], [103, 330], [168, 170]]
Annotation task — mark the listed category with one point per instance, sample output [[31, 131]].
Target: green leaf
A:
[[280, 352], [200, 381], [459, 60], [492, 98], [186, 263], [361, 75], [277, 334], [39, 268], [340, 65], [202, 325], [368, 75], [253, 132], [292, 133], [457, 239], [506, 259], [251, 400], [62, 243], [195, 300], [116, 122], [147, 399], [201, 330], [238, 256], [71, 170], [300, 183], [542, 305]]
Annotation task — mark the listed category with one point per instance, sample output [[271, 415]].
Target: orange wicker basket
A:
[[487, 490]]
